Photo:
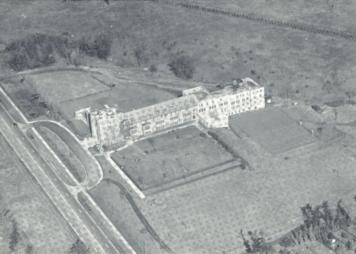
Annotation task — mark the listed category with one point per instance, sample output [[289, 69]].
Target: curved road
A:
[[99, 238], [94, 171]]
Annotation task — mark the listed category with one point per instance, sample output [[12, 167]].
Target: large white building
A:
[[108, 126]]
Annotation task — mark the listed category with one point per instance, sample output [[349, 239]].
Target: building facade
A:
[[108, 126]]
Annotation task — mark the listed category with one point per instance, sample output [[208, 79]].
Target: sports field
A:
[[206, 216], [169, 157], [58, 86], [273, 129]]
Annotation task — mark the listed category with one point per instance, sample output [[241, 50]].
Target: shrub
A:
[[33, 51], [182, 67], [39, 50], [99, 46], [153, 68], [78, 248], [14, 236]]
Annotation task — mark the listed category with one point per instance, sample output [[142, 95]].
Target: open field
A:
[[26, 98], [169, 157], [60, 93], [328, 14], [290, 62], [41, 228], [56, 87], [226, 203], [203, 216], [126, 95], [64, 152], [206, 216], [124, 214], [272, 129]]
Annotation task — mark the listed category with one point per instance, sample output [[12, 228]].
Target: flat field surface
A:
[[273, 129], [168, 157], [330, 13], [289, 62], [206, 216], [39, 224], [120, 210], [22, 94], [126, 95], [65, 153], [58, 86]]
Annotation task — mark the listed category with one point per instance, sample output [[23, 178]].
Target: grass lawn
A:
[[168, 157], [273, 129], [39, 224]]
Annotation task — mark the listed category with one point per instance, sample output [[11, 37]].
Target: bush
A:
[[153, 68], [99, 46], [182, 67], [78, 248], [14, 236], [33, 51], [39, 50]]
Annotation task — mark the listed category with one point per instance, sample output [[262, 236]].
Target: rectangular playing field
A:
[[172, 156], [273, 129], [58, 86]]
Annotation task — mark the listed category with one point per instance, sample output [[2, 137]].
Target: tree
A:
[[246, 242], [14, 236], [79, 248], [29, 249], [153, 68], [182, 67]]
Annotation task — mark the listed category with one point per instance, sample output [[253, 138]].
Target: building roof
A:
[[190, 98], [164, 108]]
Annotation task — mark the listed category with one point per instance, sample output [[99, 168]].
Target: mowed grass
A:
[[58, 86], [118, 209], [22, 200], [65, 153], [273, 129], [126, 96], [168, 157], [206, 216]]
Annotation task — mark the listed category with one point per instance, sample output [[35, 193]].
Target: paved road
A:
[[93, 169], [54, 188], [100, 226]]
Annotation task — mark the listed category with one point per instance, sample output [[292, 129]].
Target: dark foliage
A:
[[40, 50], [256, 243], [14, 236], [33, 51], [182, 67], [79, 248], [99, 46], [153, 68]]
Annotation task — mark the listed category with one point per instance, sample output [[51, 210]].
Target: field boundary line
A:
[[336, 33], [124, 176]]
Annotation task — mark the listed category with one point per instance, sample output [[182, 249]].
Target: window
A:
[[146, 126]]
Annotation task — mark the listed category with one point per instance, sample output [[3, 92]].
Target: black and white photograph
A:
[[177, 126]]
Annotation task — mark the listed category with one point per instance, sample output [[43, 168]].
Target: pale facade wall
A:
[[196, 105]]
